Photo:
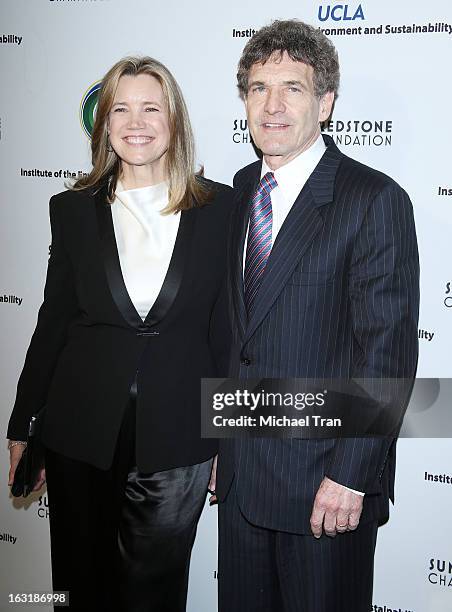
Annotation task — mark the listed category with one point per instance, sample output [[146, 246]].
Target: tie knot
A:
[[267, 183]]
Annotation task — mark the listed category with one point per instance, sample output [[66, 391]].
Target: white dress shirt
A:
[[291, 179], [145, 239]]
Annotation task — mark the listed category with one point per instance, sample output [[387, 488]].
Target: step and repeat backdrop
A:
[[392, 113]]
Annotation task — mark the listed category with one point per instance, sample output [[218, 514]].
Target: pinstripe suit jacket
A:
[[340, 299]]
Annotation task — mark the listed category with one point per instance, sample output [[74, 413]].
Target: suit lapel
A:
[[111, 262], [296, 234], [174, 275], [115, 279], [299, 229]]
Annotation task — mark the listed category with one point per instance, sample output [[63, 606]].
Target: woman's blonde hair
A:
[[185, 188]]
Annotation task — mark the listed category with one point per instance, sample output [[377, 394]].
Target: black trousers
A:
[[261, 570], [121, 540]]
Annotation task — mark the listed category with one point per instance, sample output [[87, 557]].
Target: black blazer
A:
[[90, 343], [339, 299]]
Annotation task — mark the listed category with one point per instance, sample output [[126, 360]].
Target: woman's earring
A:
[[109, 147]]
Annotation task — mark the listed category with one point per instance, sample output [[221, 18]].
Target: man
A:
[[324, 284]]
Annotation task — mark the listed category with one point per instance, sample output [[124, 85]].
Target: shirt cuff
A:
[[357, 492]]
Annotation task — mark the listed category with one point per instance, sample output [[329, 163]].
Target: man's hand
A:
[[213, 482], [336, 509]]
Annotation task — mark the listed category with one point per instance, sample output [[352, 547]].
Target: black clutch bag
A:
[[32, 460]]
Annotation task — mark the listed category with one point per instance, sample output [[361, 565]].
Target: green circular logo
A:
[[88, 108]]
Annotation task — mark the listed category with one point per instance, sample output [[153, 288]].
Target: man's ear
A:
[[326, 106]]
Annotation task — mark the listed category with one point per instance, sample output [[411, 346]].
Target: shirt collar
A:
[[292, 177]]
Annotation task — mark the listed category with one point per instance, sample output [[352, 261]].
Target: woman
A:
[[132, 318]]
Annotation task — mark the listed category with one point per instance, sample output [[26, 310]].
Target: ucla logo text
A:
[[340, 12]]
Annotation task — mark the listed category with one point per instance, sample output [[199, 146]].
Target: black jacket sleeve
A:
[[58, 309]]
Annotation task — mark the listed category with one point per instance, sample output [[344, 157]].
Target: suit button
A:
[[245, 361]]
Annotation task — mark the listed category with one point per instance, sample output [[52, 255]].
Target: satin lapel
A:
[[240, 225], [299, 229], [112, 265], [174, 275]]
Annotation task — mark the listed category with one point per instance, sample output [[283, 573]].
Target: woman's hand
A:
[[41, 479], [15, 453]]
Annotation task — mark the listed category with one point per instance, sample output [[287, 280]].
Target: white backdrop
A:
[[395, 92]]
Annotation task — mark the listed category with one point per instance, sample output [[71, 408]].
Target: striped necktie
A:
[[259, 243]]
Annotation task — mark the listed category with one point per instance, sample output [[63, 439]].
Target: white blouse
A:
[[145, 239]]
